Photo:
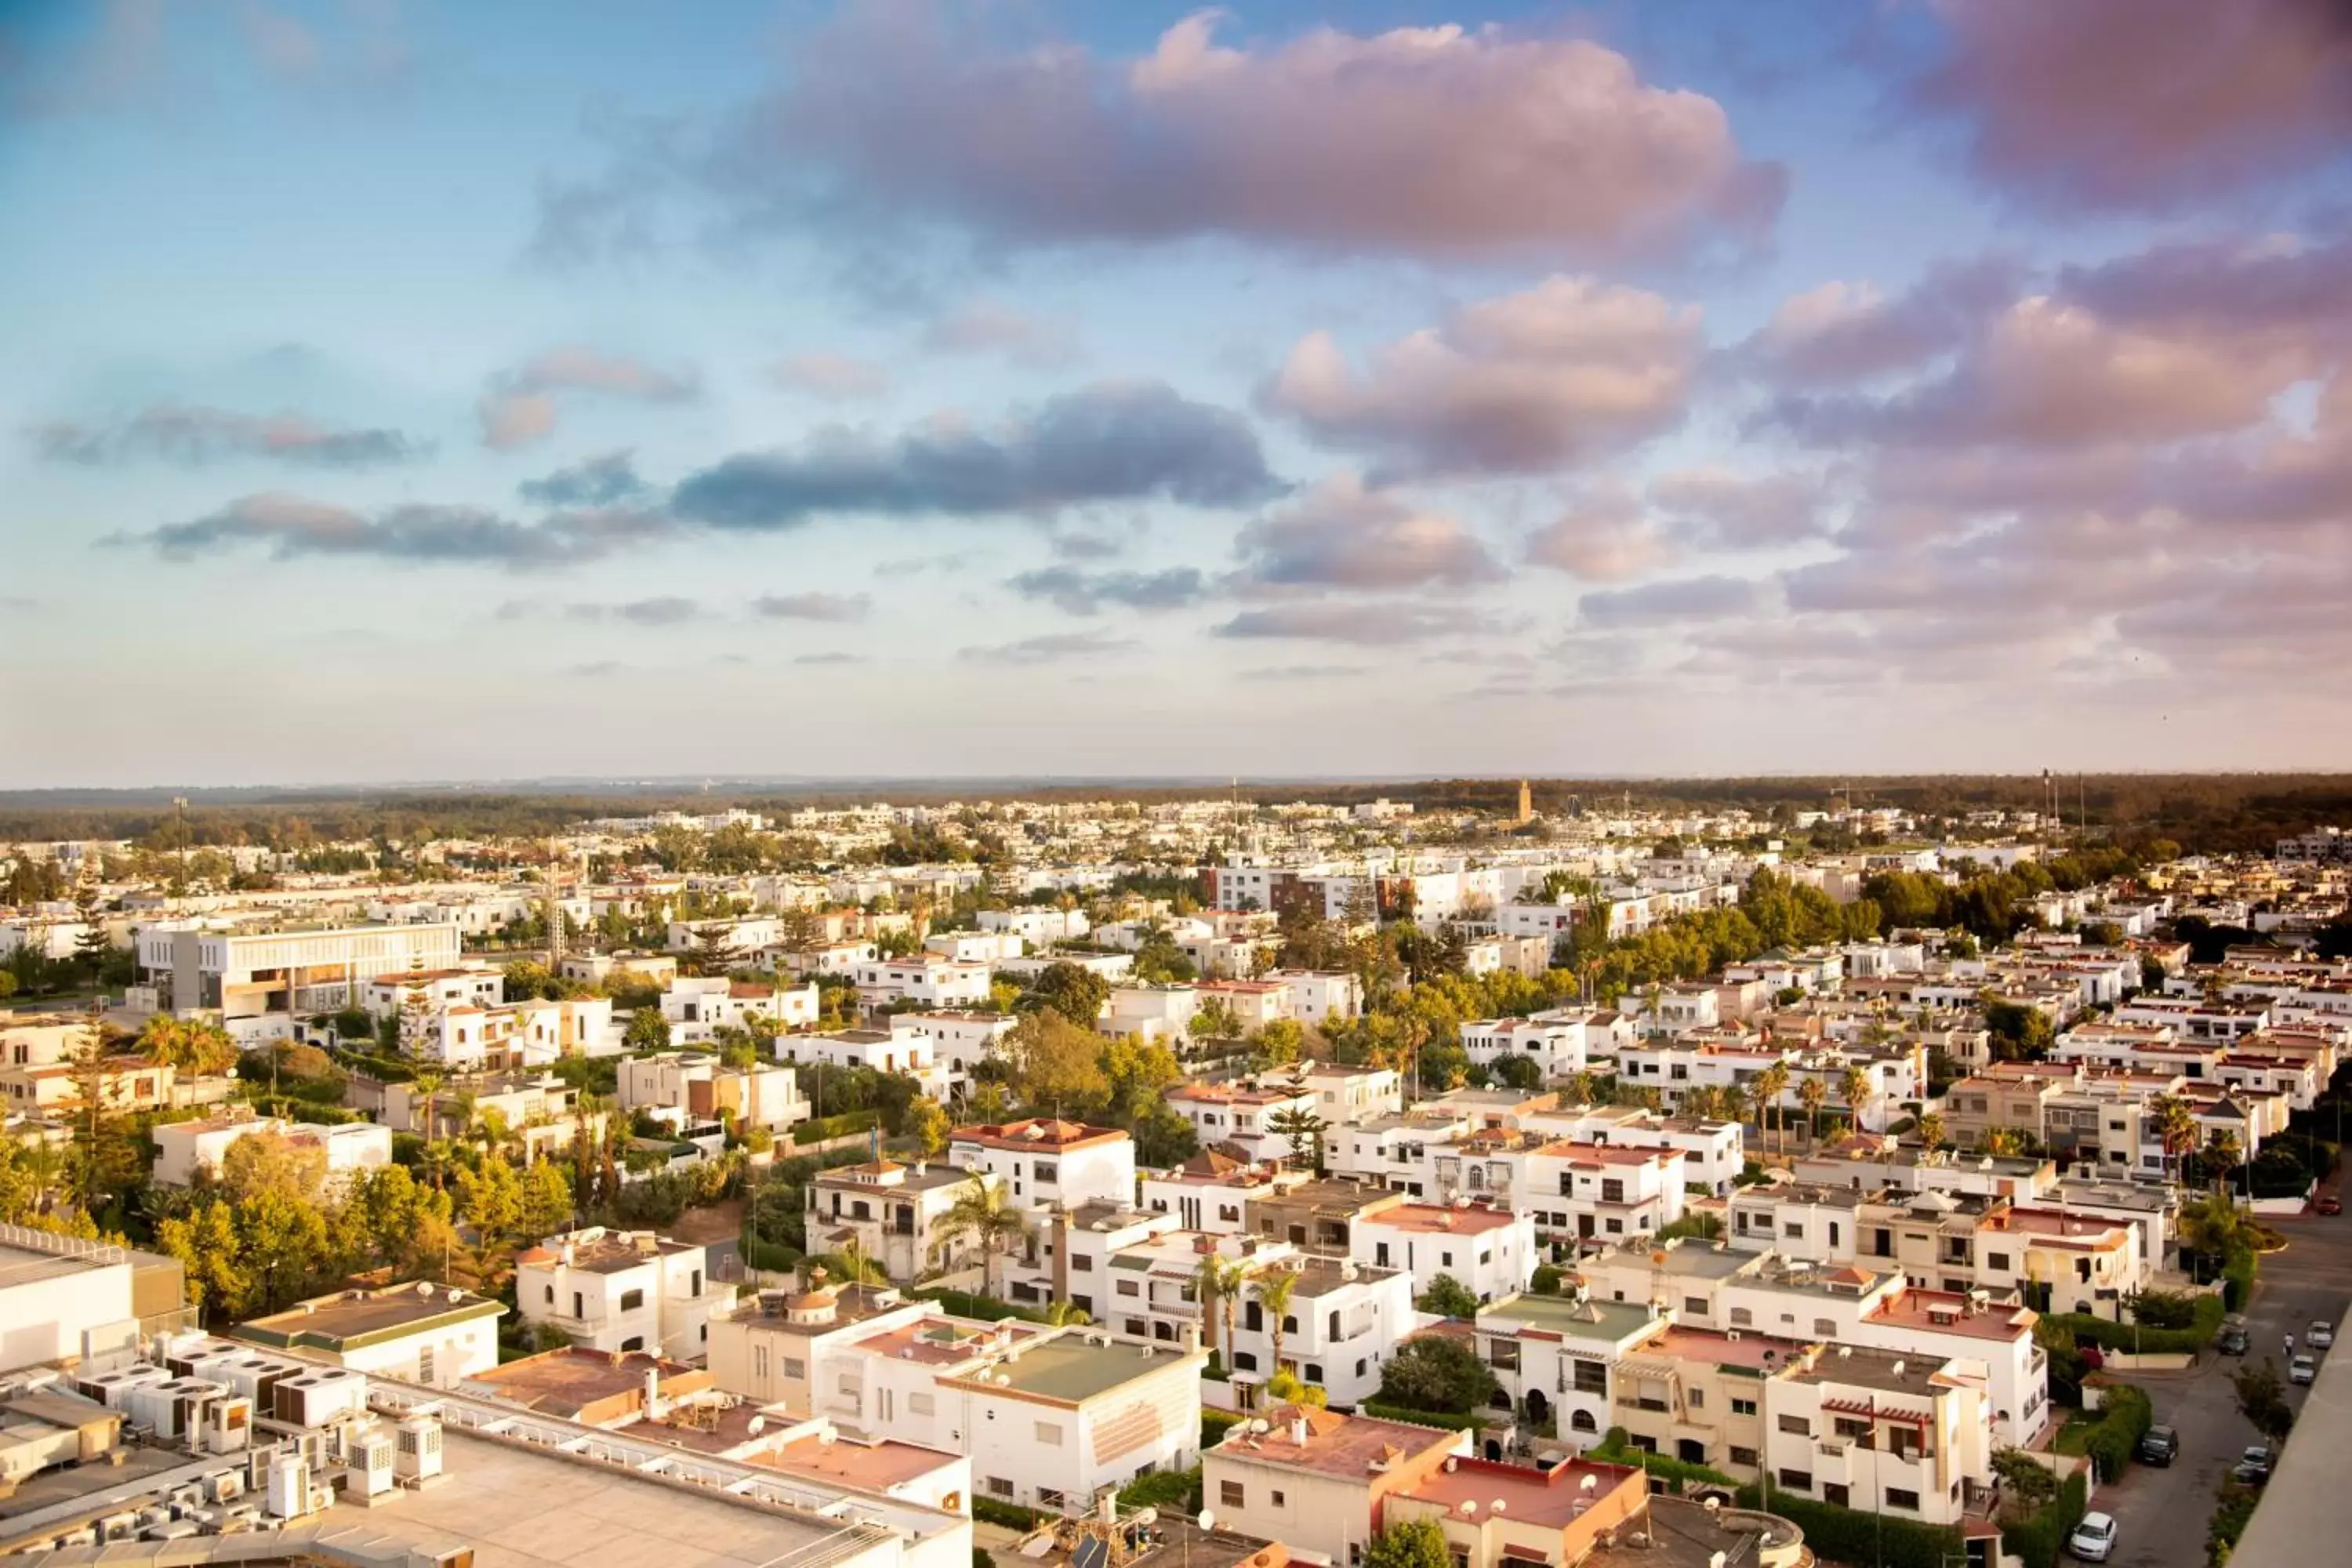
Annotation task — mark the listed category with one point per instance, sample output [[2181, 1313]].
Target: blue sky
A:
[[401, 390]]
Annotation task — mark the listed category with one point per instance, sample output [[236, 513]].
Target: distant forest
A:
[[2207, 813]]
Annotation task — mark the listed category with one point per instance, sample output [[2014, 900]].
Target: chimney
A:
[[653, 1410], [1299, 1430]]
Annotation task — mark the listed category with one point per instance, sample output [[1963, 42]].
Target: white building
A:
[[1049, 1164], [927, 978], [1490, 1251], [698, 1007], [186, 1152], [621, 1290], [264, 984], [421, 1332]]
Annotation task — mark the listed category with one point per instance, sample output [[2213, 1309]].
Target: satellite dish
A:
[[1208, 1519]]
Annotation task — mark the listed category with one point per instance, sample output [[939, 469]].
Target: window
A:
[[1083, 1265], [1245, 1361], [999, 1487], [759, 1363], [1794, 1227], [1129, 1288], [1798, 1425], [1049, 1496], [1742, 1406], [1837, 1492], [1997, 1261], [1231, 1493], [1277, 1500], [1582, 1421], [1698, 1398], [795, 1367], [1694, 1305], [1592, 1377], [634, 1342], [1826, 1327], [1137, 1327], [1314, 1373], [632, 1300], [1612, 1190], [1743, 1455], [425, 1365], [1848, 1428], [1742, 1318], [1044, 1170], [1797, 1481], [1050, 1434], [1907, 1500]]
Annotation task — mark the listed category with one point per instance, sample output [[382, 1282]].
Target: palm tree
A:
[[1735, 1103], [1274, 1289], [1585, 1085], [187, 1045], [1217, 1282], [2175, 1126], [1812, 1094], [2003, 1142], [1855, 1087], [1931, 1130], [1062, 1312], [2221, 1154], [984, 1211], [1770, 1084]]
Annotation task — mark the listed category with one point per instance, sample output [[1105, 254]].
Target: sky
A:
[[399, 391]]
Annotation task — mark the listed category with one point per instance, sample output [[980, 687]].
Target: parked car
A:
[[2331, 1204], [2094, 1539], [2301, 1369], [2322, 1335], [2232, 1341], [2159, 1445], [2253, 1466]]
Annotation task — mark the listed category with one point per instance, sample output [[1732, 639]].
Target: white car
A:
[[2322, 1335], [2094, 1539], [2303, 1369]]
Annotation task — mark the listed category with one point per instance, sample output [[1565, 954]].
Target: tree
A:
[[2175, 1125], [1812, 1094], [1072, 990], [1410, 1543], [190, 1047], [1280, 1042], [1284, 1388], [1448, 1298], [548, 1203], [1437, 1373], [1275, 1288], [1163, 1138], [2223, 1157], [647, 1031], [1931, 1130], [1520, 1072], [262, 1163], [1855, 1088], [93, 945], [2262, 1398], [1770, 1084], [983, 1212], [1304, 1130], [1056, 1065], [712, 953], [103, 1161], [490, 1200], [1140, 1073], [929, 1124], [1217, 1283]]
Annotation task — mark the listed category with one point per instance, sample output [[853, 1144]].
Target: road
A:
[[2163, 1513]]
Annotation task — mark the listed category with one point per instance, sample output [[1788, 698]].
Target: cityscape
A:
[[947, 784]]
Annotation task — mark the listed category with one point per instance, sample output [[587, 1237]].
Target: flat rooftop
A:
[[328, 1321], [566, 1382], [1570, 1318], [1068, 1369], [1556, 1497], [1343, 1446], [862, 1467]]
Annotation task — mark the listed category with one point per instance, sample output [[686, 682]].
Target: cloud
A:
[[1713, 508], [1567, 372], [1053, 648], [832, 658], [1339, 534], [2142, 106], [657, 612], [2273, 287], [2045, 374], [1604, 536], [1368, 625], [814, 606], [1112, 441], [1434, 141], [1841, 332], [597, 668], [1685, 599], [1290, 672], [193, 434], [294, 526], [835, 376], [521, 404], [593, 481], [1087, 593], [983, 327]]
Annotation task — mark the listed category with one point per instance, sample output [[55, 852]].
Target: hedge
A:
[[987, 1309], [2130, 1339], [824, 1127], [1679, 1474], [1452, 1420], [1215, 1424], [2124, 1416], [2238, 1283], [1852, 1535], [1011, 1516], [771, 1257], [1177, 1490], [2042, 1539]]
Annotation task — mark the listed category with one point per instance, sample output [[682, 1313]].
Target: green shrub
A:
[[2229, 1521], [827, 1126], [2238, 1283], [1677, 1475], [1011, 1516], [2131, 1338], [1179, 1489], [1546, 1279], [2042, 1539], [1851, 1535], [987, 1309], [2124, 1416], [1215, 1424], [771, 1257]]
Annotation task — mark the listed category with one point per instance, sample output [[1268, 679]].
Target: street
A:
[[2163, 1512]]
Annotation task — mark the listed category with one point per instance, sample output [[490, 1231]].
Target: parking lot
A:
[[2163, 1512]]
